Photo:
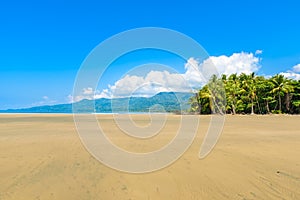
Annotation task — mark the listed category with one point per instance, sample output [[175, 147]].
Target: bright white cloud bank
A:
[[294, 73], [196, 75], [296, 68], [236, 63]]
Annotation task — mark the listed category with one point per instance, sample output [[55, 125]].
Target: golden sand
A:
[[257, 157]]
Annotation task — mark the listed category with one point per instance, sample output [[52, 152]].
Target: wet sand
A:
[[257, 157]]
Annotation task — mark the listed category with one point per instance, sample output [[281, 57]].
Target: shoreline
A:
[[144, 113]]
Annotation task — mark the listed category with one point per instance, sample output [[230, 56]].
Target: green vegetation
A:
[[247, 94], [162, 102]]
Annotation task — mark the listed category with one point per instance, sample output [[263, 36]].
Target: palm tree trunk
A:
[[288, 98], [233, 109], [258, 105], [252, 107], [198, 103], [279, 101], [267, 107], [199, 108]]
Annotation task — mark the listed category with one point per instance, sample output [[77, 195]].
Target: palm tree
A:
[[296, 97], [195, 103], [200, 102], [217, 95], [248, 91], [281, 86], [264, 94], [233, 91], [249, 85], [205, 98]]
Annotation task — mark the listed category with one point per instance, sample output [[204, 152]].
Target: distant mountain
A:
[[161, 102]]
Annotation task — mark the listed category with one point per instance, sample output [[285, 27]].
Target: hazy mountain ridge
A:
[[161, 102]]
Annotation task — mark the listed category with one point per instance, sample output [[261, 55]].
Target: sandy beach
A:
[[256, 157]]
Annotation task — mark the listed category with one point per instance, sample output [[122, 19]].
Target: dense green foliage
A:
[[250, 94]]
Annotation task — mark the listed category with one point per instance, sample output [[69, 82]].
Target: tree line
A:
[[247, 94]]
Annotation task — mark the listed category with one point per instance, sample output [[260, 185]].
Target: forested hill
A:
[[161, 102]]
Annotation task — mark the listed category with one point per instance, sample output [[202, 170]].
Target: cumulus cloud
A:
[[258, 52], [88, 91], [89, 94], [293, 74], [196, 74], [151, 84], [236, 63], [296, 68]]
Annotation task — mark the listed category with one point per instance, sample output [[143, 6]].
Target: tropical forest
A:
[[247, 94]]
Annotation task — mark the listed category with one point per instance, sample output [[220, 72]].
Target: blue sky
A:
[[43, 43]]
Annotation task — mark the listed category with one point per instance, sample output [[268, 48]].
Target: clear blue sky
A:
[[43, 43]]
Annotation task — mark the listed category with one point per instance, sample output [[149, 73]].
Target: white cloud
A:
[[89, 94], [88, 91], [45, 101], [291, 75], [296, 68], [196, 74], [151, 84], [294, 73], [236, 63], [258, 52]]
